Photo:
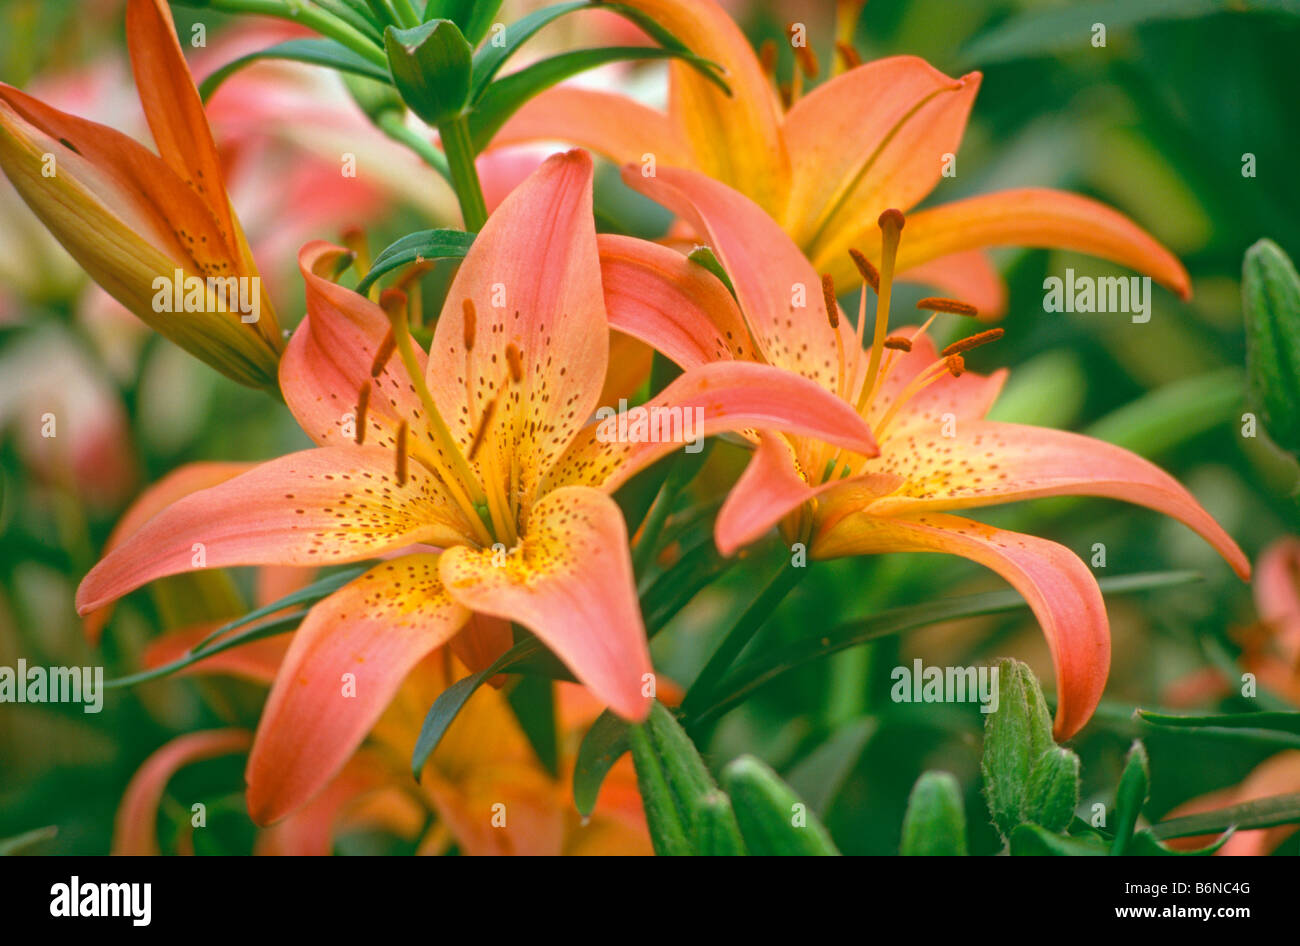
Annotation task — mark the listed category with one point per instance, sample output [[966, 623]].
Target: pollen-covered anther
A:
[[803, 53], [973, 341], [470, 323], [898, 343], [483, 423], [385, 351], [892, 219], [516, 362], [870, 275], [767, 57], [828, 294], [401, 455], [848, 55], [363, 403], [393, 302], [956, 364], [940, 304]]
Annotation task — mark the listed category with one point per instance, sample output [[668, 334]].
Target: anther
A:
[[401, 454], [516, 362], [870, 275], [385, 352], [803, 54], [939, 304], [363, 402], [974, 341], [828, 294], [393, 302], [848, 55], [767, 57], [470, 323], [956, 364], [898, 343], [481, 433]]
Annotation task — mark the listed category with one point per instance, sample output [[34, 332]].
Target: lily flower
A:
[[482, 449], [938, 454], [149, 228], [873, 137]]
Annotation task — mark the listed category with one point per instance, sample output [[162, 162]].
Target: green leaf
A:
[[1144, 844], [668, 833], [533, 700], [316, 52], [321, 588], [1271, 727], [773, 819], [1052, 791], [704, 256], [1265, 813], [20, 842], [1056, 29], [1173, 414], [507, 95], [1270, 292], [935, 823], [489, 60], [762, 670], [716, 832], [1035, 840], [820, 776], [431, 66], [423, 245], [1015, 736], [603, 745], [474, 17]]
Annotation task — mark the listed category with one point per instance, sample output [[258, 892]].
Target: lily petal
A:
[[779, 292], [1035, 217], [678, 307], [968, 397], [324, 506], [736, 139], [1058, 587], [135, 830], [1277, 594], [868, 140], [570, 582], [179, 483], [614, 126], [344, 665], [533, 279], [988, 463], [722, 395], [329, 359]]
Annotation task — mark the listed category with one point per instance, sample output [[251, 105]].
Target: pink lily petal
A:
[[1057, 585], [1277, 594], [988, 463], [135, 826], [324, 506], [722, 395], [181, 482], [570, 582], [533, 280], [968, 397], [678, 307], [345, 663], [778, 290]]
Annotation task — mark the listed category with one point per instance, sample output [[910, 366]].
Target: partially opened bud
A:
[[1271, 302]]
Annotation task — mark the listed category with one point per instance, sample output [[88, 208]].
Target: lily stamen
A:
[[833, 316], [382, 354], [401, 454], [363, 403], [974, 341], [891, 227], [940, 304]]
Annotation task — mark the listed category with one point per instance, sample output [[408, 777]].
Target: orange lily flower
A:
[[483, 450], [871, 138], [937, 452], [131, 218]]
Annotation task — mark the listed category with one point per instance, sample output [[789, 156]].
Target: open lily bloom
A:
[[482, 449], [937, 453], [869, 139], [153, 230]]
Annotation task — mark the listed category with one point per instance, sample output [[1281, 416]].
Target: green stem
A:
[[313, 17], [392, 124], [741, 634], [464, 176], [406, 13]]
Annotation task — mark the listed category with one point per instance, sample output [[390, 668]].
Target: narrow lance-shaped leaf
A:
[[1134, 784], [935, 822], [414, 247], [315, 52]]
